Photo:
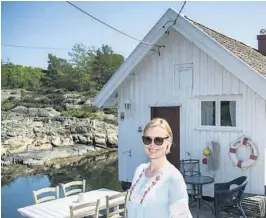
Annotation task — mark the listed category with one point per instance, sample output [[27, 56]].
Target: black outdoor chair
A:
[[190, 167], [224, 197]]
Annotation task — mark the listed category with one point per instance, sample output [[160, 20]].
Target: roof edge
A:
[[155, 33]]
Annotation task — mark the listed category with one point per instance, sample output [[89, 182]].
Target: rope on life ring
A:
[[244, 141]]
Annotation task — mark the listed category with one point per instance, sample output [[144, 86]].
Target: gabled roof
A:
[[248, 54], [242, 61]]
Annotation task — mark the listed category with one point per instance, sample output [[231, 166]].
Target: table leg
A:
[[198, 187], [202, 202], [200, 195]]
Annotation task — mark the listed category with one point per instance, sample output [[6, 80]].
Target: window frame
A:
[[218, 100]]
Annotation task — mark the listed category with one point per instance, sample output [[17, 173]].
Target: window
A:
[[228, 113], [208, 113], [218, 113]]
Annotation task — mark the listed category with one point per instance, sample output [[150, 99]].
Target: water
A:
[[18, 193]]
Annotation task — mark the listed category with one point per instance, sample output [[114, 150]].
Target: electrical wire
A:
[[117, 30], [35, 47], [174, 22], [180, 12]]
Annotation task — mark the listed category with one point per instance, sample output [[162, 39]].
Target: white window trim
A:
[[218, 99]]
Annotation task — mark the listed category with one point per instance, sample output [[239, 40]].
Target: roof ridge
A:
[[222, 34]]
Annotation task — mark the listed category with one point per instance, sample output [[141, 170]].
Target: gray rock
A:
[[83, 139], [110, 117], [33, 112], [88, 102], [20, 109], [82, 129], [100, 138], [58, 141], [47, 112], [111, 136], [72, 106]]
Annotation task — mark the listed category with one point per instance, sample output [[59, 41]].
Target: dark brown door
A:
[[172, 115]]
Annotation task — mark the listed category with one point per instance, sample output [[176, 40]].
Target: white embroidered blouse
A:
[[163, 195]]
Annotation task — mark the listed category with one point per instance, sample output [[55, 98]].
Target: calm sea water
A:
[[18, 193]]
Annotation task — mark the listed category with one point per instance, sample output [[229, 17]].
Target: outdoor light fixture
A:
[[127, 105], [122, 115]]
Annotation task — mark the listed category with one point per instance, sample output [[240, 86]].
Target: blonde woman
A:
[[158, 189]]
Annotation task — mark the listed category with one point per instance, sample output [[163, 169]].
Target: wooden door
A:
[[172, 115]]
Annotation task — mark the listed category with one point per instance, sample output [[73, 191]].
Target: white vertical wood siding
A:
[[152, 83]]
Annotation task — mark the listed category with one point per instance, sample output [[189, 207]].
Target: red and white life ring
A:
[[244, 141]]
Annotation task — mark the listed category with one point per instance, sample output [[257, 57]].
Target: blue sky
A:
[[57, 24]]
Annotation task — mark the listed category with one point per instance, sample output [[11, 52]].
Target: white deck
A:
[[60, 207]]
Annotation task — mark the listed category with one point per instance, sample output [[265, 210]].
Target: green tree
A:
[[105, 63], [82, 58], [18, 76], [59, 72]]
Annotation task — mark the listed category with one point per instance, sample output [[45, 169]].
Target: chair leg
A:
[[217, 211], [241, 210]]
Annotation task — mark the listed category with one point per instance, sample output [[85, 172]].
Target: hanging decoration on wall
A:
[[213, 162], [243, 141], [206, 152], [205, 160], [211, 158]]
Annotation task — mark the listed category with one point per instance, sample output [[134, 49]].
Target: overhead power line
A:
[[180, 12], [35, 47], [117, 30], [174, 22]]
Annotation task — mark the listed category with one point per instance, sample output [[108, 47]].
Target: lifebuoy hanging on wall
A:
[[244, 141]]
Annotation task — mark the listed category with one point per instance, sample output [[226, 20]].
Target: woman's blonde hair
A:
[[164, 125]]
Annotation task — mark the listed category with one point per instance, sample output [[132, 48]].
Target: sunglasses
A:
[[157, 140]]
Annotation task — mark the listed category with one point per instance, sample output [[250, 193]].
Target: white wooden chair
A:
[[85, 209], [112, 202], [67, 187], [38, 200]]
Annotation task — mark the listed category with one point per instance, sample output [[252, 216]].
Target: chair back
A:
[[85, 209], [237, 193], [230, 196], [190, 167], [118, 203], [70, 188], [38, 199]]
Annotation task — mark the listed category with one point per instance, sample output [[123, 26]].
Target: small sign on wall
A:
[[122, 115]]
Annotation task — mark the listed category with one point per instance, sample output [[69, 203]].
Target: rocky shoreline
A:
[[41, 138], [90, 160], [31, 141]]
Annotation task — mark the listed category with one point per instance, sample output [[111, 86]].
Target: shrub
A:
[[5, 106], [29, 99], [110, 111], [11, 98], [114, 122], [91, 93], [81, 113]]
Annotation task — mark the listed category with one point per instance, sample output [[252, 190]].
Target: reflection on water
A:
[[19, 193]]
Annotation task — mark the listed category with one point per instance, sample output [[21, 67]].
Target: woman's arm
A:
[[178, 197]]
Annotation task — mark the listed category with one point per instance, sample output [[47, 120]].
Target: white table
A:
[[60, 207]]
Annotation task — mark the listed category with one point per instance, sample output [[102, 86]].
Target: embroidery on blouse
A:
[[180, 210], [148, 189]]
